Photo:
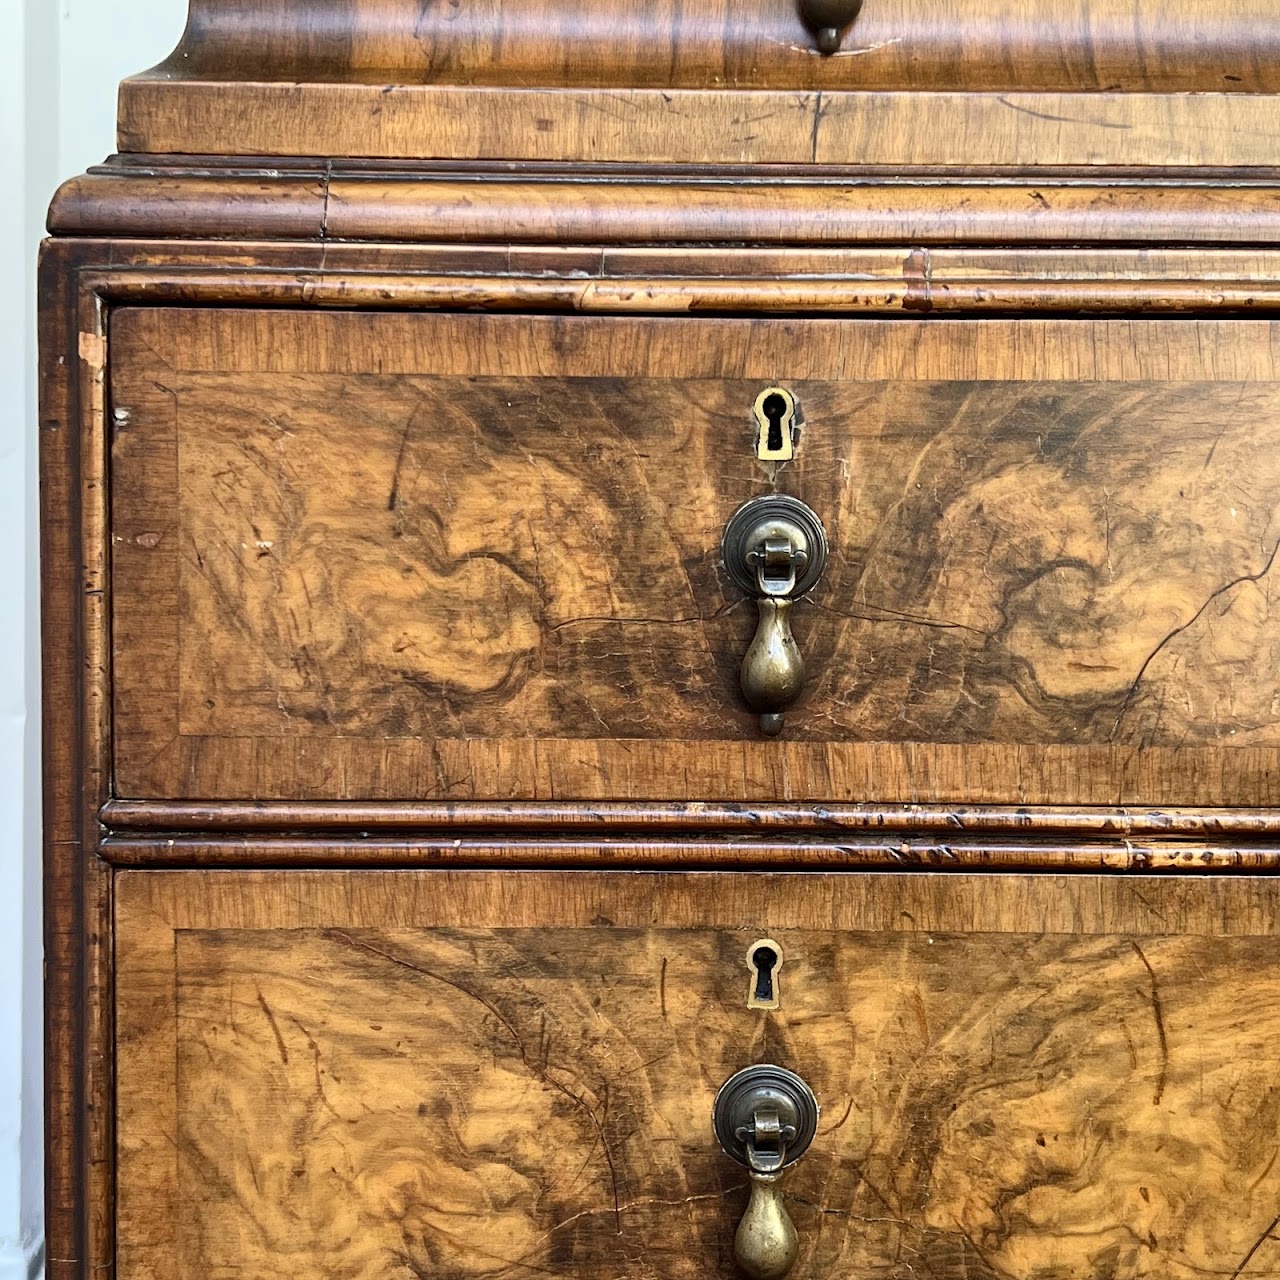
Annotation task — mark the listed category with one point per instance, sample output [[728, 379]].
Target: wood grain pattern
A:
[[546, 204], [989, 158], [692, 126], [1090, 45], [688, 817], [1047, 564], [680, 279], [693, 834], [914, 290], [639, 851], [391, 1075], [79, 1221]]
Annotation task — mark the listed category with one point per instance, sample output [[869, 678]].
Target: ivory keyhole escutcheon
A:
[[776, 416], [764, 959]]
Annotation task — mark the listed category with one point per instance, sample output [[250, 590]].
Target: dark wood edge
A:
[[911, 295], [1118, 856], [175, 164], [834, 821], [64, 888], [79, 1217]]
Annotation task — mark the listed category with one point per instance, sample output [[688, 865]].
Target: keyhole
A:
[[776, 414], [775, 409], [764, 959]]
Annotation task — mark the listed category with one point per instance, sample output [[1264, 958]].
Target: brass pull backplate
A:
[[774, 549], [828, 20], [765, 1117]]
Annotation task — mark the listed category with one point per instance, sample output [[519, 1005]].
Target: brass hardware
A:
[[773, 668], [765, 1117], [774, 549], [777, 417], [766, 1242], [828, 20]]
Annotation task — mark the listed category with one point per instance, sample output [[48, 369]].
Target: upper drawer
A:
[[407, 555]]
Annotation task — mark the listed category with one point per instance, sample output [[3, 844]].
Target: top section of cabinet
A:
[[711, 81], [1128, 46]]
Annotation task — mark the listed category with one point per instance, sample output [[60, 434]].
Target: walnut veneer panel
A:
[[441, 556], [703, 127], [472, 1075], [1086, 45]]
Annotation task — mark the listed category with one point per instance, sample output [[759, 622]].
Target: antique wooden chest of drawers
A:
[[660, 650]]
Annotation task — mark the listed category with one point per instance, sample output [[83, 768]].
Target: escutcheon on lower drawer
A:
[[480, 1075], [408, 555]]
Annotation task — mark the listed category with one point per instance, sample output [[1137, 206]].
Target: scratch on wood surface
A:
[[1157, 1011], [275, 1029], [1057, 119], [541, 1074], [1172, 635], [1261, 1240]]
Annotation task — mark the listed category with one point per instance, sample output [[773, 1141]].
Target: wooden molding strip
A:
[[696, 126], [581, 211], [725, 854], [834, 820], [913, 293]]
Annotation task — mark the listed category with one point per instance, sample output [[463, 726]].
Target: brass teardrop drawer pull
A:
[[774, 549], [765, 1118], [828, 20]]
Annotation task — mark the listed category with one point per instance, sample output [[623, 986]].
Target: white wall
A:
[[99, 43], [60, 61]]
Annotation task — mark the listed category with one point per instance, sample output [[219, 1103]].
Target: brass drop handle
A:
[[765, 1117], [828, 20], [774, 549]]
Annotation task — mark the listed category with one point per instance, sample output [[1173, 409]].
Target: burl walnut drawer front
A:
[[391, 555], [376, 1075]]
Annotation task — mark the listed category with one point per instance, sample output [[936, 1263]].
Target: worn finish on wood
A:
[[79, 1120], [1064, 158], [1184, 45], [398, 1075], [913, 290], [691, 817], [69, 1200], [688, 279], [1042, 548], [691, 126], [713, 836], [1058, 82], [555, 207], [642, 851]]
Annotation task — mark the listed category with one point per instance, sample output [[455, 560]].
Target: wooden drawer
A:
[[410, 555], [471, 1074]]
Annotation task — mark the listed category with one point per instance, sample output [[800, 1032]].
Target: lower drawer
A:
[[377, 1074]]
